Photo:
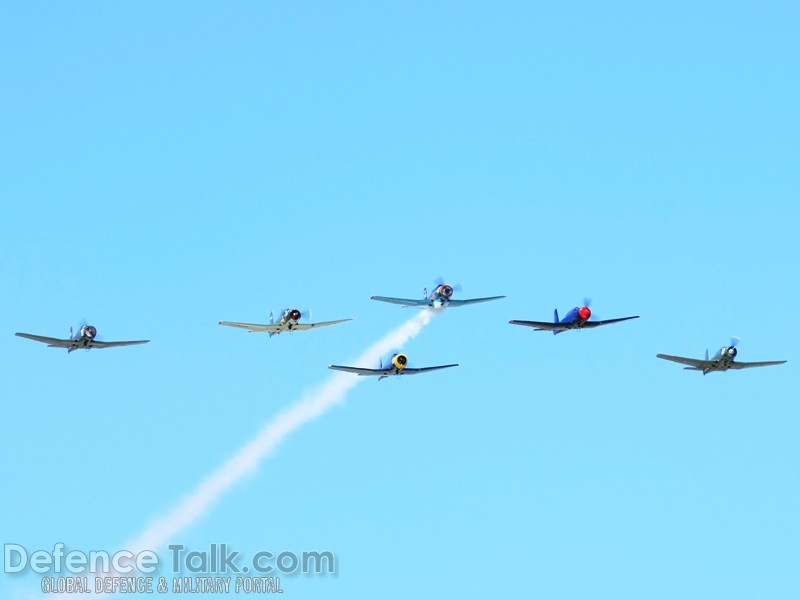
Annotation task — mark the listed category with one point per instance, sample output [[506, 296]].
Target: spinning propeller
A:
[[296, 314], [446, 289], [584, 312]]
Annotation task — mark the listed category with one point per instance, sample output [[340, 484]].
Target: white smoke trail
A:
[[245, 461], [314, 404]]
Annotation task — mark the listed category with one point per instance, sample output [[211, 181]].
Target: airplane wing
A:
[[52, 342], [404, 301], [97, 344], [748, 365], [540, 325], [255, 327], [413, 371], [590, 324], [305, 326], [697, 363], [472, 301], [361, 371]]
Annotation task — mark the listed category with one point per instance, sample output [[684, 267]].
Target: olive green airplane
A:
[[288, 321]]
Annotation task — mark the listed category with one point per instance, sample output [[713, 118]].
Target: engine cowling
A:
[[89, 331], [446, 290], [584, 313], [294, 314], [399, 361], [731, 352]]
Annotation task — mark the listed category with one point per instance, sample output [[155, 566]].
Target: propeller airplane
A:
[[395, 365], [84, 338], [721, 361], [440, 297], [577, 318], [288, 321]]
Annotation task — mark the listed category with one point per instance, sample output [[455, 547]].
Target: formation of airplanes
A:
[[579, 317]]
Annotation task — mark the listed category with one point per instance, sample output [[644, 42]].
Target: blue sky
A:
[[165, 166]]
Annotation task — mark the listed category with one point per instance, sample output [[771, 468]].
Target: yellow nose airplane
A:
[[396, 365]]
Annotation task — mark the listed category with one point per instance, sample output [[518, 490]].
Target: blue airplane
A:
[[721, 361], [394, 365], [577, 318]]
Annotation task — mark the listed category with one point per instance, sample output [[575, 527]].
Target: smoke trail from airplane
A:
[[313, 405], [246, 461]]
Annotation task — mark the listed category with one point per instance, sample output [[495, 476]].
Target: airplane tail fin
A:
[[271, 318], [706, 353], [555, 320], [425, 292]]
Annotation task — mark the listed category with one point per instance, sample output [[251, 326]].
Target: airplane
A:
[[288, 321], [721, 361], [440, 297], [86, 337], [395, 365], [577, 318]]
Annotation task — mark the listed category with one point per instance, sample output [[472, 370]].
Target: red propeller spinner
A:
[[584, 313]]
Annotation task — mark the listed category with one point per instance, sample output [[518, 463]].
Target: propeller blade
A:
[[734, 340], [78, 328], [457, 287], [587, 302], [306, 314], [438, 281]]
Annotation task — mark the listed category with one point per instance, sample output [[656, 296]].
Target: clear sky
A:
[[167, 165]]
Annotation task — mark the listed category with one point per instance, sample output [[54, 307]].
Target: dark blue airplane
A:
[[395, 365], [577, 318]]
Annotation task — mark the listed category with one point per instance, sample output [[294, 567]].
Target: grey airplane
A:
[[440, 297], [85, 338], [721, 361]]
